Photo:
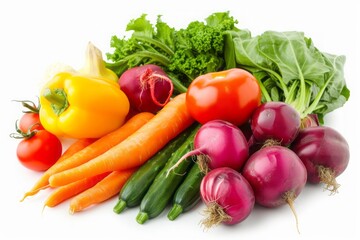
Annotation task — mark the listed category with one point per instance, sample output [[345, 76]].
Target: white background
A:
[[36, 34]]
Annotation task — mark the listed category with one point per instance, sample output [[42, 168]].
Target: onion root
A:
[[327, 176], [289, 197], [215, 215]]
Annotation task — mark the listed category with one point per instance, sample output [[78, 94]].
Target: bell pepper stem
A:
[[57, 98]]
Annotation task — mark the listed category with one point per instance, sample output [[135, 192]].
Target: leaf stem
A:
[[157, 43]]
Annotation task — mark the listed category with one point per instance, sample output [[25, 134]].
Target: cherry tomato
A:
[[40, 151], [231, 95], [30, 121]]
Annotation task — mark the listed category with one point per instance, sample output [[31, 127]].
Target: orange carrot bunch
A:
[[94, 170]]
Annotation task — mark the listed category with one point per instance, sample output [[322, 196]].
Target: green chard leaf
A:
[[247, 54], [290, 52], [250, 58], [334, 93], [290, 68], [296, 63]]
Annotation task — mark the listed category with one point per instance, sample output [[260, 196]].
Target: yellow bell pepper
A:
[[78, 106]]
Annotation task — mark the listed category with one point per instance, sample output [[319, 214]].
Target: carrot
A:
[[103, 190], [65, 192], [96, 148], [137, 148], [42, 183], [75, 147]]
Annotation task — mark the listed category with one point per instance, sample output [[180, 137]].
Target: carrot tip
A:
[[23, 198], [28, 194], [42, 211], [33, 192], [71, 210]]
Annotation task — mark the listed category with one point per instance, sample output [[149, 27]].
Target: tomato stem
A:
[[30, 105], [21, 135]]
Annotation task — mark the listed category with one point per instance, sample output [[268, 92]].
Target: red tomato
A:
[[30, 121], [40, 151], [231, 95]]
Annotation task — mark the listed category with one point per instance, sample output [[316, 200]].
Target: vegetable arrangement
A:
[[162, 122]]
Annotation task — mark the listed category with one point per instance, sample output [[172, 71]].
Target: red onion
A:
[[228, 196], [325, 154], [217, 144], [276, 175], [276, 121], [148, 87]]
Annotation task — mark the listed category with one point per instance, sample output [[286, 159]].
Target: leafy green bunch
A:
[[291, 69], [287, 65], [184, 54]]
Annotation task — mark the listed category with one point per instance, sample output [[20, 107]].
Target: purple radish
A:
[[276, 175], [148, 87], [228, 197], [325, 154], [217, 144], [275, 121]]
